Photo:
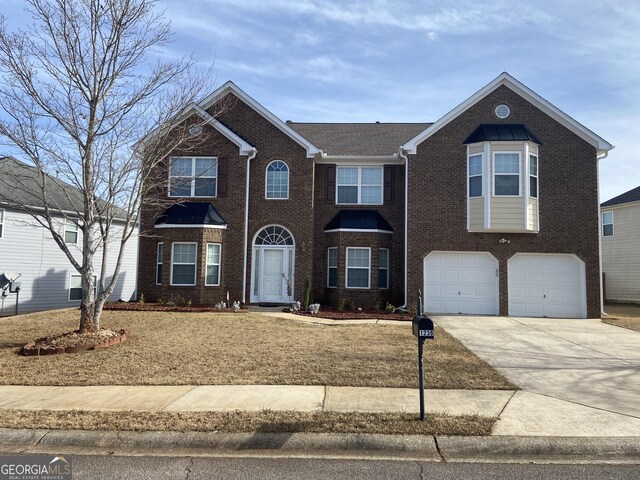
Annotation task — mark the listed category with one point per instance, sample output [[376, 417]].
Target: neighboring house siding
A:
[[621, 254], [29, 249], [567, 195]]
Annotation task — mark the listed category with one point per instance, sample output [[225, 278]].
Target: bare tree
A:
[[77, 94]]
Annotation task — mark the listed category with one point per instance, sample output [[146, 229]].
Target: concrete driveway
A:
[[585, 362]]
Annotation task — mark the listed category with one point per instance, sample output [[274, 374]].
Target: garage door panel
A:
[[465, 283], [546, 285]]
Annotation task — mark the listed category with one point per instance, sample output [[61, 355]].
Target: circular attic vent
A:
[[502, 111], [195, 130]]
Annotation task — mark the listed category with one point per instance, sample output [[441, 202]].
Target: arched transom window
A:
[[274, 235], [277, 180]]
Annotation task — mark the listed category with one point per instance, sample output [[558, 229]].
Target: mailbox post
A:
[[423, 329]]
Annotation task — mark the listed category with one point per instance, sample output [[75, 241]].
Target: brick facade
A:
[[437, 210]]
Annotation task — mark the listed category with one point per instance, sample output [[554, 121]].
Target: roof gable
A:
[[231, 87], [525, 92]]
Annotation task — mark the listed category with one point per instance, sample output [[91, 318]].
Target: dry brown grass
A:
[[631, 322], [244, 348], [236, 422]]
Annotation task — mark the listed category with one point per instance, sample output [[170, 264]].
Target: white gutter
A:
[[402, 155], [602, 312], [251, 156]]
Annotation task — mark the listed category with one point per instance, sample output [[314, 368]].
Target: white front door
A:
[[461, 282], [273, 282]]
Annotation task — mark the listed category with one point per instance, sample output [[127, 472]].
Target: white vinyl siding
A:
[[277, 184], [159, 262], [476, 214], [213, 264], [183, 263], [332, 267], [359, 185], [193, 177], [70, 232], [607, 224], [621, 255], [358, 266]]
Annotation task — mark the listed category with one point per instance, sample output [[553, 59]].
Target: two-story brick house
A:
[[492, 209]]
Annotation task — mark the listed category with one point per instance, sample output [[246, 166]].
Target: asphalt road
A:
[[249, 468]]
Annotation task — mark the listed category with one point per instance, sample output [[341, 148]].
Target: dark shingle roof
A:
[[358, 138], [191, 213], [632, 195], [20, 185], [501, 132], [359, 220]]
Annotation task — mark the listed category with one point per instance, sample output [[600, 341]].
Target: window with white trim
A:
[[533, 176], [1, 223], [75, 287], [475, 175], [332, 267], [213, 264], [607, 224], [359, 185], [383, 268], [358, 267], [506, 169], [277, 186], [70, 231], [193, 177], [183, 263], [159, 262]]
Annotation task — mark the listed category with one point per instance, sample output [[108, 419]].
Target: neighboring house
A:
[[492, 209], [48, 280], [621, 247]]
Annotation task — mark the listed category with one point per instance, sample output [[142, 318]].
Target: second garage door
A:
[[546, 285], [461, 283]]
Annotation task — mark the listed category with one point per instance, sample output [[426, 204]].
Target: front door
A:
[[273, 282]]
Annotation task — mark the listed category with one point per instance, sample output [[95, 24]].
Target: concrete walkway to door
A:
[[594, 366]]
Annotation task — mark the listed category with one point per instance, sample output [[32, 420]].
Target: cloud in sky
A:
[[403, 60]]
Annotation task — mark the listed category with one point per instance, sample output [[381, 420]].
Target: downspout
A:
[[406, 225], [602, 312], [251, 156]]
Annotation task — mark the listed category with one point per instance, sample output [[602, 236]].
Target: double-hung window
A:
[[193, 177], [332, 267], [358, 267], [1, 222], [607, 224], [475, 176], [159, 262], [533, 176], [75, 287], [359, 185], [277, 180], [383, 268], [70, 232], [507, 174], [183, 263], [213, 264]]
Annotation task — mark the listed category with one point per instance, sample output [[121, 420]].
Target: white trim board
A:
[[525, 92]]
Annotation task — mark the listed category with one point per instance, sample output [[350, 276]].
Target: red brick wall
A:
[[567, 196]]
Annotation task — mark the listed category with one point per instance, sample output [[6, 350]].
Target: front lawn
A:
[[168, 348]]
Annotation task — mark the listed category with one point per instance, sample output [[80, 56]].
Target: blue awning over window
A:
[[358, 220], [191, 213], [502, 132]]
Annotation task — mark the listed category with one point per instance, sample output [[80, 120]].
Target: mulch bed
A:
[[157, 307], [354, 315], [74, 342]]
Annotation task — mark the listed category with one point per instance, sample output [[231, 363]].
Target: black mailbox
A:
[[423, 327]]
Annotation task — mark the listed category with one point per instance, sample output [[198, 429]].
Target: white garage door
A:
[[461, 282], [546, 285]]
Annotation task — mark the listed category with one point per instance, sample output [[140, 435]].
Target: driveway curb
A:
[[439, 448]]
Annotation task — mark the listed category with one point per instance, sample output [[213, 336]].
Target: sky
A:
[[413, 61]]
